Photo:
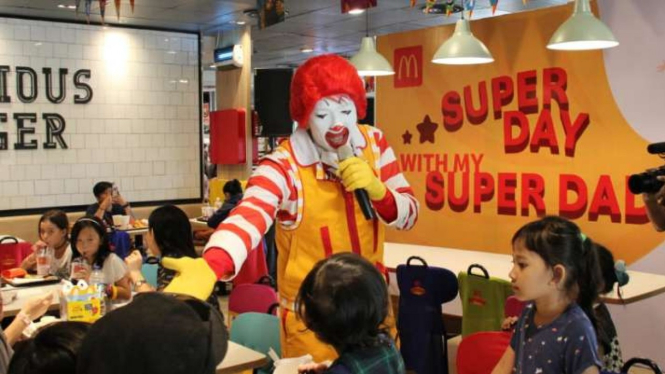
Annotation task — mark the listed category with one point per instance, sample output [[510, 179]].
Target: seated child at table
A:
[[53, 229], [608, 340], [53, 350], [169, 235], [157, 333], [555, 269], [344, 301], [90, 241]]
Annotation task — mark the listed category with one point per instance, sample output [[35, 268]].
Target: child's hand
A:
[[37, 306], [312, 368], [508, 323], [134, 261]]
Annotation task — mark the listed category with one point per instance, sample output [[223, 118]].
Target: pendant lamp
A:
[[582, 31], [463, 48], [368, 61]]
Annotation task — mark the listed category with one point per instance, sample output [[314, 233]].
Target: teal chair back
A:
[[259, 332], [149, 272]]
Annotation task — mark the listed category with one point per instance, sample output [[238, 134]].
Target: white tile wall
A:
[[140, 130]]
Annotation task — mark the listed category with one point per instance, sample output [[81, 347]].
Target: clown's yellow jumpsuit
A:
[[316, 218]]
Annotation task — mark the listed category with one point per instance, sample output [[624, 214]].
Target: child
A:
[[232, 196], [52, 351], [89, 241], [608, 339], [556, 269], [53, 229], [344, 301], [169, 235]]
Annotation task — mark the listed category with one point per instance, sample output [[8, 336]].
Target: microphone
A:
[[337, 137], [344, 152], [656, 148]]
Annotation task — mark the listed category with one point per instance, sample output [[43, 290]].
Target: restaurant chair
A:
[[513, 307], [149, 272], [642, 364], [252, 297], [483, 300], [478, 353], [259, 332], [421, 331]]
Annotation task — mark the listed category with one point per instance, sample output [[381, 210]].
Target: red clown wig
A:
[[323, 76]]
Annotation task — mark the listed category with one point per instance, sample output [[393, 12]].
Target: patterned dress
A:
[[566, 345]]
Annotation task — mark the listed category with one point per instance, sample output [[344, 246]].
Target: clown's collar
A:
[[307, 153]]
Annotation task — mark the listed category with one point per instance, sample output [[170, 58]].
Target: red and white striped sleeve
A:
[[269, 190], [397, 185]]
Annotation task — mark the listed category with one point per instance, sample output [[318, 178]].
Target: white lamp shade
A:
[[462, 48], [369, 62], [582, 31]]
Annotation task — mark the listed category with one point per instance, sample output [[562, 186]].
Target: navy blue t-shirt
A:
[[566, 345]]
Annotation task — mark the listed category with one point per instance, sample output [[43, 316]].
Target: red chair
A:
[[12, 252], [478, 353], [513, 307], [259, 298]]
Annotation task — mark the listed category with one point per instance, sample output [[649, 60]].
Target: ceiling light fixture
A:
[[463, 48], [240, 23], [62, 6], [582, 31], [306, 50], [355, 12], [368, 61]]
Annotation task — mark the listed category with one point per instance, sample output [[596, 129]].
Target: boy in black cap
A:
[[156, 333]]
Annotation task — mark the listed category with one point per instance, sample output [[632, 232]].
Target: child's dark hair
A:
[[52, 351], [559, 241], [344, 301], [100, 188], [606, 263], [232, 187], [172, 231], [104, 247], [56, 217]]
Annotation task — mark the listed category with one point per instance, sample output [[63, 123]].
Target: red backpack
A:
[[12, 252]]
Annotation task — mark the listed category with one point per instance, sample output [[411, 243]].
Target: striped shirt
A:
[[275, 192]]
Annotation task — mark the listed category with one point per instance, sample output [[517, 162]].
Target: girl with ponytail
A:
[[556, 270]]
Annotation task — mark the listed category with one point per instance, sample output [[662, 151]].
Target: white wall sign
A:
[[81, 104]]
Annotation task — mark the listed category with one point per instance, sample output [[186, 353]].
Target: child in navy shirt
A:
[[556, 270]]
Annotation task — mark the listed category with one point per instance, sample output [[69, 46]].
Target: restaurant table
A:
[[198, 225], [25, 293], [641, 286], [137, 231], [239, 358]]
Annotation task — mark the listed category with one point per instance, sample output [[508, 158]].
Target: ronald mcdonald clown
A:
[[310, 194]]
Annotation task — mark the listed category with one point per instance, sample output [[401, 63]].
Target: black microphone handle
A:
[[365, 204]]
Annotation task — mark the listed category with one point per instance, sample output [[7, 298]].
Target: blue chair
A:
[[422, 291], [149, 272], [259, 332]]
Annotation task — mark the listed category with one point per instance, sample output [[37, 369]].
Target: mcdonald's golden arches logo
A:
[[408, 64]]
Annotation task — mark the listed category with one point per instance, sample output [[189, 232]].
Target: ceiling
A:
[[316, 24]]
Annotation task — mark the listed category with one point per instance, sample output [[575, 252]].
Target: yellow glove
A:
[[194, 277], [357, 174]]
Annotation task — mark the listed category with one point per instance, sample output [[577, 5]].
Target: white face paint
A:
[[330, 114]]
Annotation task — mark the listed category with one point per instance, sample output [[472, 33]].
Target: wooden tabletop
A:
[[239, 358], [197, 225], [641, 285]]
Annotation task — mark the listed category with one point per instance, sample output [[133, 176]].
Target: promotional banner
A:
[[488, 148]]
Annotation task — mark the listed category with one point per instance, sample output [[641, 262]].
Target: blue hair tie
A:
[[621, 273]]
